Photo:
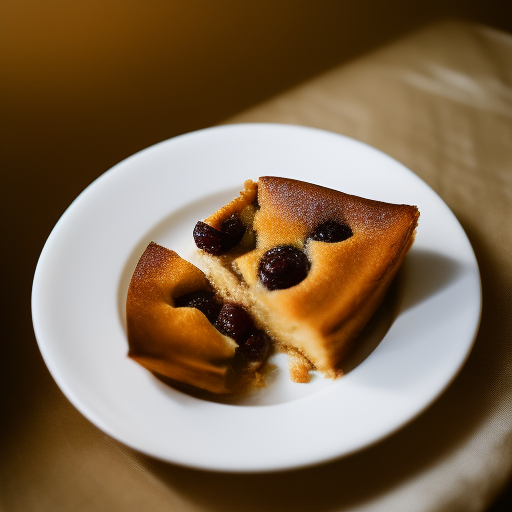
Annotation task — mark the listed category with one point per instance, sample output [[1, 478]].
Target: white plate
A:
[[158, 194]]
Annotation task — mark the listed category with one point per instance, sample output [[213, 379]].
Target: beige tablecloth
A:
[[439, 101]]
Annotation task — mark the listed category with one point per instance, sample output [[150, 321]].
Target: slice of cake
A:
[[311, 264], [179, 329], [291, 264]]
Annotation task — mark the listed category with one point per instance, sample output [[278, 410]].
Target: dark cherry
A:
[[217, 242], [234, 228], [209, 239], [282, 267], [255, 347], [331, 232], [235, 322], [203, 300]]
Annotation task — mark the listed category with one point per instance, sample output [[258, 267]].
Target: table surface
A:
[[440, 102]]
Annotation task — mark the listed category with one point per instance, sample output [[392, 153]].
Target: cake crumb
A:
[[300, 368]]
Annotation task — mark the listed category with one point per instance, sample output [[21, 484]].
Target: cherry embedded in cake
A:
[[290, 264], [282, 267]]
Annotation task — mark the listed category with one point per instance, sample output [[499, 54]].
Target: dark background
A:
[[85, 84]]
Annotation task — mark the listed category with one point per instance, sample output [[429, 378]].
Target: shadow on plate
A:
[[426, 273]]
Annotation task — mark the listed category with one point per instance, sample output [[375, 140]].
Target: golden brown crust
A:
[[247, 196], [178, 343], [293, 208]]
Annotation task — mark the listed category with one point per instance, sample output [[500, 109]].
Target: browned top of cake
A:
[[178, 343], [293, 208]]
